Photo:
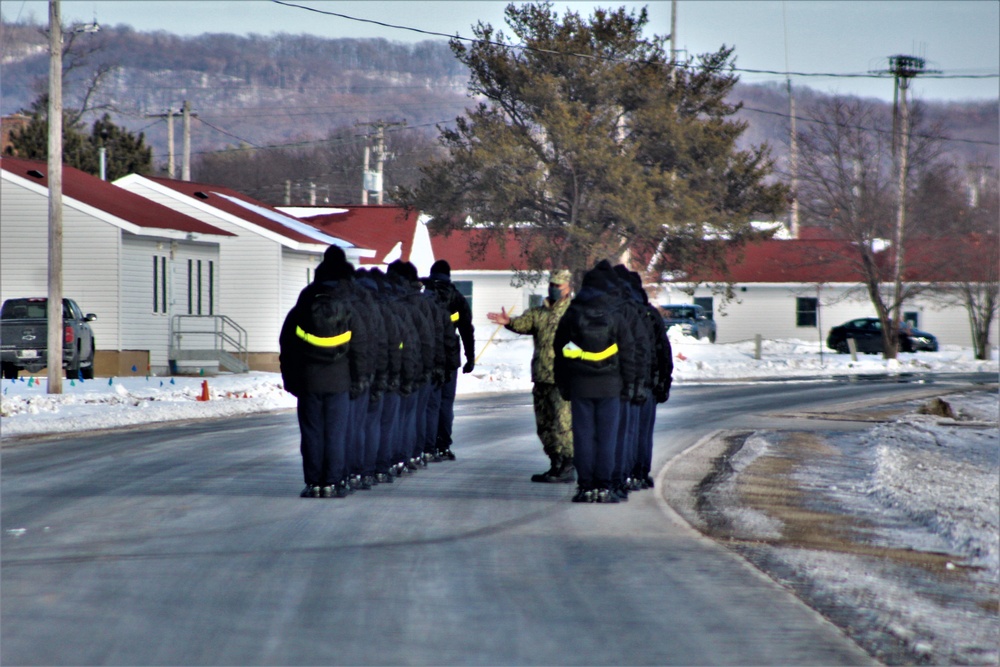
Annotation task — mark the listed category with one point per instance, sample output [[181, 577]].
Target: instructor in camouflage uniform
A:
[[552, 413]]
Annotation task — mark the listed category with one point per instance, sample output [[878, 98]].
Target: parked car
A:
[[867, 334], [24, 338], [692, 319]]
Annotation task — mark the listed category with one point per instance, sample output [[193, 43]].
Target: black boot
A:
[[548, 475], [566, 472]]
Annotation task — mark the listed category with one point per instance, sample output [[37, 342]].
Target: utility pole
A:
[[169, 115], [365, 185], [793, 144], [903, 68], [373, 180], [54, 309], [673, 31], [186, 165]]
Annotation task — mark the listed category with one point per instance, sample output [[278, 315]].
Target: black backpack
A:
[[323, 324], [592, 331]]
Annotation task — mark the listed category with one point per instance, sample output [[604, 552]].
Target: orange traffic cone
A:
[[204, 391]]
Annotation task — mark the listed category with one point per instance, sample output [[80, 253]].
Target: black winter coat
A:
[[303, 372], [459, 321], [580, 377]]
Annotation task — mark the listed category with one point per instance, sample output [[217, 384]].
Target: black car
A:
[[692, 319], [867, 334]]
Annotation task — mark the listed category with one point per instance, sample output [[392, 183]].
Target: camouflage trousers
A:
[[553, 420]]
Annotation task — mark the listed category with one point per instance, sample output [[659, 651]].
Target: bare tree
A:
[[847, 183], [970, 274]]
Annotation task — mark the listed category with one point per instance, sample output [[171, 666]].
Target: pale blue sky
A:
[[814, 36]]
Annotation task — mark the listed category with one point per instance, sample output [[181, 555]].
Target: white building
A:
[[266, 261], [125, 258]]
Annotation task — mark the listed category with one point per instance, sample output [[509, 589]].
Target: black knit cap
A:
[[405, 270], [334, 265], [602, 277], [441, 266]]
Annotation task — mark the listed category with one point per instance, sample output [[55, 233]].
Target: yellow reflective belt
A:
[[572, 351], [319, 341], [454, 317]]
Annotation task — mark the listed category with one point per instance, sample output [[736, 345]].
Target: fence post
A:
[[757, 345], [852, 345]]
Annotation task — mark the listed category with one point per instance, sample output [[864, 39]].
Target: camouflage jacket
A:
[[541, 322]]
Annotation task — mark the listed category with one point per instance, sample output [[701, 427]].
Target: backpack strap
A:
[[324, 341], [572, 351]]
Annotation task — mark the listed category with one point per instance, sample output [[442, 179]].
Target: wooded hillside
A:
[[309, 94]]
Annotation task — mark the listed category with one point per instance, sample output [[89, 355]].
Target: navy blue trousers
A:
[[387, 433], [420, 419], [647, 420], [432, 414], [323, 420], [446, 416], [595, 436], [626, 448], [373, 435], [356, 432], [406, 435]]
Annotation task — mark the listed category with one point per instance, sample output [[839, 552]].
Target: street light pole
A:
[[55, 309]]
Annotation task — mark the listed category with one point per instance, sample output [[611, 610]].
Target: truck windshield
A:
[[28, 309]]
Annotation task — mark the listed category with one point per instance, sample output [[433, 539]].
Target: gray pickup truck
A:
[[24, 338]]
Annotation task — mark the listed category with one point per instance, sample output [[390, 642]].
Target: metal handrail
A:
[[227, 336]]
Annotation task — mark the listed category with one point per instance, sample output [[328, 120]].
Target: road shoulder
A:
[[796, 504]]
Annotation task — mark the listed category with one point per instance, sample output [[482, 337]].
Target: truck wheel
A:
[[9, 371], [88, 370]]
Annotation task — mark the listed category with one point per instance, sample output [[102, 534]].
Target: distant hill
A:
[[297, 89]]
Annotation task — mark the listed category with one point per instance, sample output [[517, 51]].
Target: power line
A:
[[868, 129], [431, 33]]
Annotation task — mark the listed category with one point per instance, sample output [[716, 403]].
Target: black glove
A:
[[357, 388], [469, 365], [639, 395], [661, 392], [375, 396]]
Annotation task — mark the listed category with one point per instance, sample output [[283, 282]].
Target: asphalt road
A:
[[188, 544]]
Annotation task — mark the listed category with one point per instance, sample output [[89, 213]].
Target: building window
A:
[[535, 300], [199, 287], [707, 303], [159, 284], [190, 287], [464, 288], [211, 287], [805, 311], [912, 318], [156, 284]]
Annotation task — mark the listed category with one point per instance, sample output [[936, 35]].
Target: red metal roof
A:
[[379, 228], [459, 246], [209, 194], [794, 261], [825, 260], [108, 197]]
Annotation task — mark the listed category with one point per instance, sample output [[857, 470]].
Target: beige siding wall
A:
[[297, 270], [491, 291], [149, 329], [91, 258], [770, 310], [253, 282]]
